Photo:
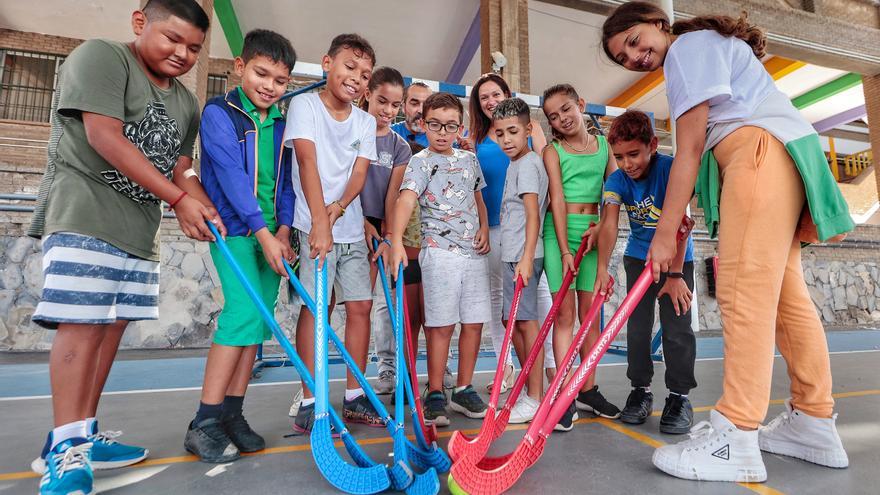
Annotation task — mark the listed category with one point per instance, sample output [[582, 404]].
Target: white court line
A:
[[296, 382]]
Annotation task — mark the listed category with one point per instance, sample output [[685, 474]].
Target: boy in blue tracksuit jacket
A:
[[246, 173]]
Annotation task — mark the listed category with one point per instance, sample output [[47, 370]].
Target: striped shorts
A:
[[89, 281]]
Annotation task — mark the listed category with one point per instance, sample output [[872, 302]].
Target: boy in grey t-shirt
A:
[[523, 205], [446, 182]]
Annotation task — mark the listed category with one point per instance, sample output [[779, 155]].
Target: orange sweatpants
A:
[[761, 290]]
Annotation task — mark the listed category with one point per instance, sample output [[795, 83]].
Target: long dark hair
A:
[[632, 13], [382, 75], [480, 123]]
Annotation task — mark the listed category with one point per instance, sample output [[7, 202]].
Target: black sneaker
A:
[[593, 401], [468, 402], [678, 415], [566, 423], [435, 409], [360, 410], [638, 407], [239, 431], [305, 418], [393, 400], [208, 441]]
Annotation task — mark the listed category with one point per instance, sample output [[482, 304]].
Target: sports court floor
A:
[[152, 399]]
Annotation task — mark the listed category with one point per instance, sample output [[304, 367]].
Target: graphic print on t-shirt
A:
[[644, 212], [384, 160], [158, 138]]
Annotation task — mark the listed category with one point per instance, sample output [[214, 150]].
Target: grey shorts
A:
[[348, 270], [456, 288], [528, 302]]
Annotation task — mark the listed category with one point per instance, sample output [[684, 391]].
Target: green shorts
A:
[[240, 323], [577, 225]]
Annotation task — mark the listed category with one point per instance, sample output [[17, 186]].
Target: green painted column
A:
[[229, 22]]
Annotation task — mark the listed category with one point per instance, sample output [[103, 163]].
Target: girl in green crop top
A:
[[577, 164]]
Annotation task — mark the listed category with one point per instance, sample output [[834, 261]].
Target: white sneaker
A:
[[716, 451], [796, 434], [448, 379], [507, 382], [524, 410], [297, 399]]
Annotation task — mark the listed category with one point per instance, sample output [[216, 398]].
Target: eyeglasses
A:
[[435, 126]]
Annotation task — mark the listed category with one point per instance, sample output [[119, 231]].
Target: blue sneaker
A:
[[107, 453], [68, 470]]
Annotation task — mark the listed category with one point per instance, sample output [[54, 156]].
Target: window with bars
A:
[[216, 85], [27, 83]]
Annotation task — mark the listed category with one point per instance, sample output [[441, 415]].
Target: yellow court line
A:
[[384, 440]]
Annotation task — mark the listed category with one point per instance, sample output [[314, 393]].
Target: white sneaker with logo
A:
[[796, 434], [716, 451], [524, 410]]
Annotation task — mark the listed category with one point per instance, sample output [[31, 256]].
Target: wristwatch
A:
[[675, 275]]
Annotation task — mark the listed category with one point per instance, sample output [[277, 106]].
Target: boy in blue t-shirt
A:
[[639, 187]]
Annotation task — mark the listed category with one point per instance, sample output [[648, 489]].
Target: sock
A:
[[459, 389], [91, 426], [678, 394], [76, 429], [232, 405], [208, 411], [307, 402], [354, 393]]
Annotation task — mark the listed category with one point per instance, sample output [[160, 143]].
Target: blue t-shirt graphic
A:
[[643, 201]]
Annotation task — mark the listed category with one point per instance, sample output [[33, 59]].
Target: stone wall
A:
[[844, 283]]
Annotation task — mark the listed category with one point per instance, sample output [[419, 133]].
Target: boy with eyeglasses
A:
[[446, 183]]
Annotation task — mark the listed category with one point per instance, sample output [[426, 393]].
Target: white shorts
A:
[[456, 288]]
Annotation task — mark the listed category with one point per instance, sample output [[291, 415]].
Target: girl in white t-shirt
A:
[[764, 186]]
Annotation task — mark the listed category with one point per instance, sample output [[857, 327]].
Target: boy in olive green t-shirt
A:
[[122, 135]]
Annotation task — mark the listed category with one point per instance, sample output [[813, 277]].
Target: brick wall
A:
[[36, 42]]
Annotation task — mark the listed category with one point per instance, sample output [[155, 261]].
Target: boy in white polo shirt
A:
[[333, 144]]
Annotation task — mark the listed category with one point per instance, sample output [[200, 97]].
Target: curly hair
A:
[[631, 125]]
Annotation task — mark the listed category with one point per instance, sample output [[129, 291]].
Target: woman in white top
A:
[[765, 186]]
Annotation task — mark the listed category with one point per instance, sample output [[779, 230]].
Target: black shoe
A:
[[566, 423], [360, 410], [678, 415], [468, 402], [208, 441], [305, 418], [593, 401], [393, 400], [239, 431], [435, 409], [638, 407]]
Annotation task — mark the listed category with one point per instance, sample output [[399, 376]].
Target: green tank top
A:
[[583, 175]]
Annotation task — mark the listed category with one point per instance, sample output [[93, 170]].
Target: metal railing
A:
[[856, 163]]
